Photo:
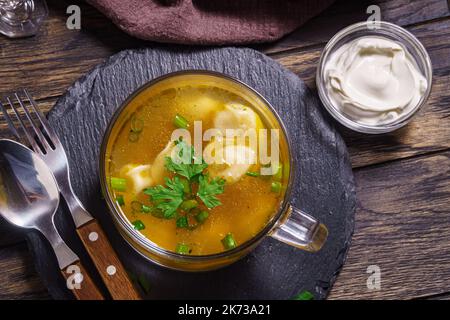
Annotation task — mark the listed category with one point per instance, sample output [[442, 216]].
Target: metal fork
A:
[[46, 144], [44, 141]]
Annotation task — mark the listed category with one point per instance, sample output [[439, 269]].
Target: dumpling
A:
[[237, 116], [139, 175], [201, 107], [232, 161]]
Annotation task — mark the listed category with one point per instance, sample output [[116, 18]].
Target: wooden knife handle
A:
[[107, 262], [80, 283]]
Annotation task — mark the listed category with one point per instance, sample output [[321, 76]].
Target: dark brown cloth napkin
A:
[[210, 21]]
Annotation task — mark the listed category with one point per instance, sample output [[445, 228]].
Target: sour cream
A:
[[374, 80]]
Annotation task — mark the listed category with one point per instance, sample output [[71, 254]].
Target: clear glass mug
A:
[[289, 225]]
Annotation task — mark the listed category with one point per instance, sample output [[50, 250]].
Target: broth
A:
[[144, 130]]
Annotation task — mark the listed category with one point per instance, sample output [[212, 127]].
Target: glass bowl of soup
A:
[[196, 170]]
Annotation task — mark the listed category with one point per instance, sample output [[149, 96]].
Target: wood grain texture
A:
[[343, 13], [87, 289], [18, 278], [104, 257], [402, 226]]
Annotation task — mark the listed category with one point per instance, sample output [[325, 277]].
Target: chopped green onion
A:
[[305, 295], [252, 174], [120, 201], [138, 225], [186, 185], [187, 205], [202, 216], [118, 184], [182, 222], [137, 125], [146, 209], [229, 242], [183, 248], [276, 187], [136, 206], [180, 122], [133, 136], [279, 174]]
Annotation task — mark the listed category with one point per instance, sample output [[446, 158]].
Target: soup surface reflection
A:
[[195, 209]]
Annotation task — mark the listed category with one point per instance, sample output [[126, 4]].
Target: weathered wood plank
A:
[[53, 59], [18, 279], [402, 226], [343, 13]]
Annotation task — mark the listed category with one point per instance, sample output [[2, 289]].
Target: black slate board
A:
[[323, 185]]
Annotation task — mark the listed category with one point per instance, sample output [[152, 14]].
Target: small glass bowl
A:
[[383, 30]]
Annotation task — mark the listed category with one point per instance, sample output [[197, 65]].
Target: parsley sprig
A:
[[169, 198], [188, 171], [208, 189]]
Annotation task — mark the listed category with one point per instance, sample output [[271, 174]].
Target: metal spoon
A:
[[29, 198]]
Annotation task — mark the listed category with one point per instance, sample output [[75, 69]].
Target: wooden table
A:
[[403, 178]]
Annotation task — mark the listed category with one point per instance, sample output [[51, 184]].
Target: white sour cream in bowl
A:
[[374, 80]]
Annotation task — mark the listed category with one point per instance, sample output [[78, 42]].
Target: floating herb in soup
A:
[[182, 180]]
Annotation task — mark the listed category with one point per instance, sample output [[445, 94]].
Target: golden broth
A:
[[247, 205]]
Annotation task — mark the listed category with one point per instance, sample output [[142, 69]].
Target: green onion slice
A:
[[305, 295], [186, 185], [202, 216], [183, 249], [187, 205], [278, 176], [118, 184], [276, 187], [146, 209], [138, 225], [120, 201], [252, 174], [229, 242], [182, 222], [180, 122]]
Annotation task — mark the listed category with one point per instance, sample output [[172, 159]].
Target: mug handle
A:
[[301, 230]]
